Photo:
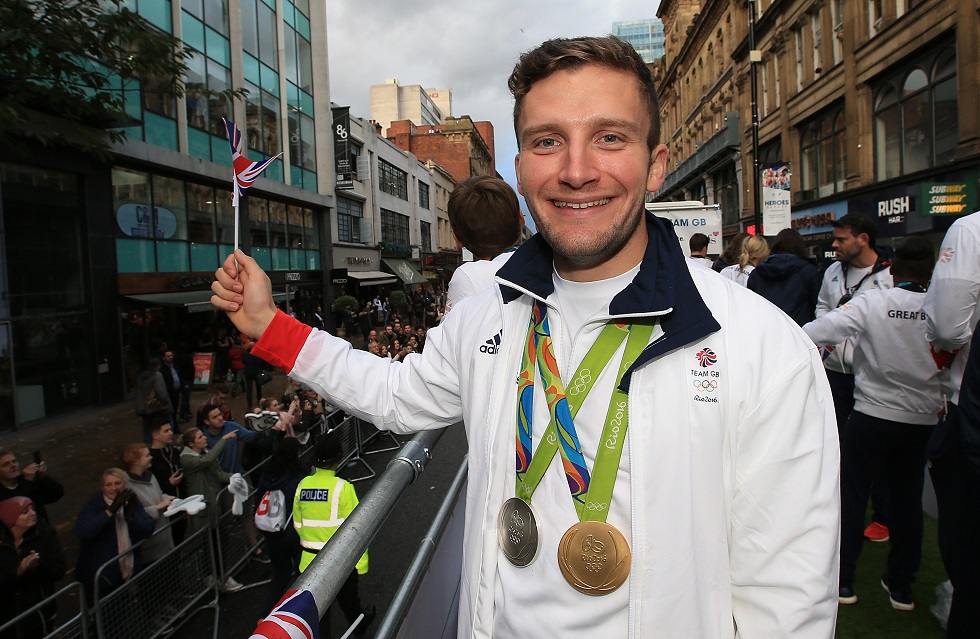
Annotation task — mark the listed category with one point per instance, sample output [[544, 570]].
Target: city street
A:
[[79, 448]]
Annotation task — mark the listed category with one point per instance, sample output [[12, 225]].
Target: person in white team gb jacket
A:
[[954, 450], [722, 512], [898, 397]]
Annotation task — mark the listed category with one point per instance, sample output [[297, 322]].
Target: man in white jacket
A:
[[705, 457], [486, 220], [898, 396], [954, 450]]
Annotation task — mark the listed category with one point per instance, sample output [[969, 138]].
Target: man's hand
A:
[[30, 471], [176, 478], [231, 435], [244, 292]]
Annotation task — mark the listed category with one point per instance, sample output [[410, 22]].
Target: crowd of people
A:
[[183, 477]]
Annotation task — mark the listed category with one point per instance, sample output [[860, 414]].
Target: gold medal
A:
[[517, 532], [594, 557]]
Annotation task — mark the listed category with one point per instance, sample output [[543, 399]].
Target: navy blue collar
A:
[[663, 287]]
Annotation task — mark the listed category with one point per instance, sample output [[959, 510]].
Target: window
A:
[[349, 214], [916, 116], [837, 22], [423, 195], [425, 231], [764, 73], [394, 181], [394, 227], [726, 194], [284, 236], [823, 155], [798, 48], [816, 33], [874, 17]]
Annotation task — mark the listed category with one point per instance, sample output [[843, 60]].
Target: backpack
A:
[[270, 515]]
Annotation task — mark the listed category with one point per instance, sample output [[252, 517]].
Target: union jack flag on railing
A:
[[294, 617], [245, 170]]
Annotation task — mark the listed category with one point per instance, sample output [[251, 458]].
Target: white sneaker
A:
[[231, 585]]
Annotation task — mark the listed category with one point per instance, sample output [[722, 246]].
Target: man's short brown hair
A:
[[569, 54], [485, 215]]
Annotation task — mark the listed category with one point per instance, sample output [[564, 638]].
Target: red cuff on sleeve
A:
[[282, 341]]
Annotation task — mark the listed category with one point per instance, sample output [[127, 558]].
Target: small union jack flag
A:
[[245, 170], [946, 255], [294, 617]]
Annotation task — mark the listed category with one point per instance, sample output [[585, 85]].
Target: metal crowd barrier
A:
[[407, 589], [189, 579], [76, 626], [162, 594], [334, 563]]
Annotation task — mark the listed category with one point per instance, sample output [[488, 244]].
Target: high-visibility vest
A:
[[321, 504]]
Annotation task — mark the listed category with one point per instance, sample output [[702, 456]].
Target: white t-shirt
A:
[[737, 274], [559, 612]]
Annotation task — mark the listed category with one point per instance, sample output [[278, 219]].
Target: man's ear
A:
[[658, 168], [517, 172]]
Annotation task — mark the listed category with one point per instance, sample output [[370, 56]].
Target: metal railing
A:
[[388, 627], [331, 567]]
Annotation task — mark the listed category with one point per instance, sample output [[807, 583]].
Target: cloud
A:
[[469, 47]]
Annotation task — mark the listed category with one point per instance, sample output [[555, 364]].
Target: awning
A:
[[404, 270], [193, 301], [372, 278]]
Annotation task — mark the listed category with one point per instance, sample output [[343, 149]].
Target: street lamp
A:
[[755, 57]]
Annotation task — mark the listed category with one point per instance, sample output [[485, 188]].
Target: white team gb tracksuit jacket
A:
[[735, 506]]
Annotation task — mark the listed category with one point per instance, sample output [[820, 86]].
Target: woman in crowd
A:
[[731, 253], [108, 525], [283, 472], [287, 418], [136, 459], [755, 249], [788, 278], [31, 562], [203, 474]]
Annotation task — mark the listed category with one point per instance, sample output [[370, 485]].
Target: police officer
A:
[[322, 502]]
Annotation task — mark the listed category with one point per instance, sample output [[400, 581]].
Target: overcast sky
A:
[[469, 47]]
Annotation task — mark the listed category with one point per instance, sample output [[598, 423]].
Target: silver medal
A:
[[518, 532]]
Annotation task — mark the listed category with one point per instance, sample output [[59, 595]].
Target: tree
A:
[[66, 67]]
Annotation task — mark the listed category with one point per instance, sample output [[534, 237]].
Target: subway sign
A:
[[947, 198]]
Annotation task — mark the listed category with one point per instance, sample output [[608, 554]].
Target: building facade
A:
[[870, 105], [391, 102], [646, 36]]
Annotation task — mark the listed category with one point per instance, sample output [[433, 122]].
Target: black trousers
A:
[[842, 388], [873, 447], [957, 484], [349, 600]]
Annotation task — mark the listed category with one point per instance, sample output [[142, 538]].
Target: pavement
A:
[[79, 446]]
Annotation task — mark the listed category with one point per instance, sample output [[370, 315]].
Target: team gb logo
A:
[[706, 357]]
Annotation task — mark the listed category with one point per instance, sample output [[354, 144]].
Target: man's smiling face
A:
[[584, 168]]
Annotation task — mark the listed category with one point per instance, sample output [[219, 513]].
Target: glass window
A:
[[394, 227], [197, 105], [131, 202], [311, 231], [268, 45], [423, 195], [216, 15], [250, 33], [219, 79], [200, 213], [169, 207], [349, 214], [394, 181], [226, 216], [258, 216], [277, 227], [425, 237], [916, 116], [823, 155]]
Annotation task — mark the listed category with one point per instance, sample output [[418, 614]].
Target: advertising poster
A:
[[341, 148], [203, 365], [776, 201], [690, 218]]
